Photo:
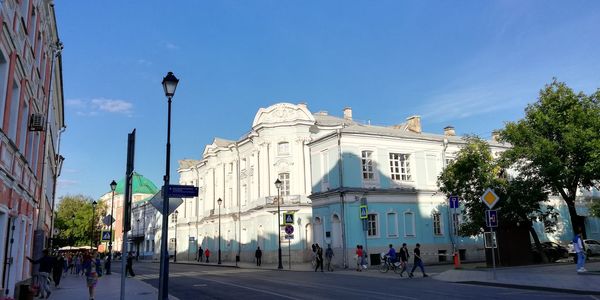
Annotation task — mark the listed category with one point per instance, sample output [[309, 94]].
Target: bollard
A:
[[457, 261]]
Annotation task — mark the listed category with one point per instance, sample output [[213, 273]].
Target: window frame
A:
[[287, 150], [375, 223], [367, 165], [437, 224], [412, 224], [395, 225], [285, 183], [398, 164]]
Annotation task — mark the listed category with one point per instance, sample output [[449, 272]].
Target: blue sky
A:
[[470, 64]]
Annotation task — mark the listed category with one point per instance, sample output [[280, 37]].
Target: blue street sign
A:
[[106, 235], [183, 191], [491, 218], [363, 211], [454, 203]]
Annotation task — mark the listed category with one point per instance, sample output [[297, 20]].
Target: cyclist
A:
[[391, 255]]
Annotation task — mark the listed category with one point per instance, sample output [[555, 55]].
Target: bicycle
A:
[[387, 265]]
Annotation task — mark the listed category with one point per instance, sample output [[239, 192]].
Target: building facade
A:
[[141, 237], [242, 173], [31, 121]]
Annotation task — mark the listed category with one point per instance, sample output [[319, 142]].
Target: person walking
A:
[[57, 270], [329, 257], [580, 252], [359, 257], [200, 254], [404, 258], [91, 275], [129, 265], [107, 264], [46, 263], [418, 262], [207, 254], [77, 260], [319, 257], [258, 256]]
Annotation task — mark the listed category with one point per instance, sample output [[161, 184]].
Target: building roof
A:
[[139, 185]]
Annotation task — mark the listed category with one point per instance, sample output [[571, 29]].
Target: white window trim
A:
[[289, 149], [414, 226], [377, 227], [397, 234], [442, 231], [369, 182], [411, 161]]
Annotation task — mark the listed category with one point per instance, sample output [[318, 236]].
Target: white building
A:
[[242, 173]]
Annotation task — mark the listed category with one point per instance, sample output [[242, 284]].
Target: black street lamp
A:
[[113, 187], [169, 84], [93, 217], [278, 186], [219, 202]]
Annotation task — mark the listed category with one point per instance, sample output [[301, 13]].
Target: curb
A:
[[530, 287]]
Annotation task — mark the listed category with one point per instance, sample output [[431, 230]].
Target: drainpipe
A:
[[343, 207], [239, 200]]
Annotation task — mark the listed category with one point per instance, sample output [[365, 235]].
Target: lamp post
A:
[[278, 186], [137, 244], [169, 84], [93, 217], [176, 213], [113, 187], [219, 253]]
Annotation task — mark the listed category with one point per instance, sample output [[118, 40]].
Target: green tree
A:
[[558, 143], [595, 208], [74, 220], [523, 199]]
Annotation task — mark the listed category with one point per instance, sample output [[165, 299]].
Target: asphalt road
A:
[[207, 282]]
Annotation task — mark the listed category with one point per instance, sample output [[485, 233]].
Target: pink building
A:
[[31, 122]]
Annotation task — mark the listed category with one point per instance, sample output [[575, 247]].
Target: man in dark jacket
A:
[[129, 265], [404, 258], [418, 261], [258, 256], [46, 263]]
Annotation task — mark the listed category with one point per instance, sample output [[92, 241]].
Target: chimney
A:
[[449, 131], [348, 113], [413, 123], [303, 105], [496, 136]]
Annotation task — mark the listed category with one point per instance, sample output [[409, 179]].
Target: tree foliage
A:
[[558, 143], [74, 220], [475, 169]]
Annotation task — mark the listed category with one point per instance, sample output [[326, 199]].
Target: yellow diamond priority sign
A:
[[490, 198]]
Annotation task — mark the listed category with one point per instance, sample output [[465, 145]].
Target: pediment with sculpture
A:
[[282, 113]]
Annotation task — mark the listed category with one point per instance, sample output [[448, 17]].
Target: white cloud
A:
[[144, 62], [93, 107], [112, 105], [63, 183], [170, 46]]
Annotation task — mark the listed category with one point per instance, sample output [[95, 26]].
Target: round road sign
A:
[[289, 229]]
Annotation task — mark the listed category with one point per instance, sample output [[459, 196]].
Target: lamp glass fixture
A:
[[220, 201], [278, 183], [170, 84], [113, 186]]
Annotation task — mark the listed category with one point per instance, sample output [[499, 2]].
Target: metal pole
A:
[[493, 253], [175, 237], [112, 204], [163, 288], [280, 266], [290, 254], [219, 260], [92, 235]]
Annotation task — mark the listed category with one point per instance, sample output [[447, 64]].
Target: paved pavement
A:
[[190, 280], [73, 287]]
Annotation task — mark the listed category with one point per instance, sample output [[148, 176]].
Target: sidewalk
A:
[[109, 287], [550, 277]]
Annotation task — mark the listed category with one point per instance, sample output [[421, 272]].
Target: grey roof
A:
[[222, 142], [397, 131], [328, 120], [187, 163]]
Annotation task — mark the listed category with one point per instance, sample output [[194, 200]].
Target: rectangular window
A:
[[372, 225], [400, 167], [367, 165], [3, 83], [409, 224], [174, 218], [24, 128], [14, 111], [455, 224], [244, 164], [437, 223], [230, 168], [285, 183], [283, 148], [392, 225], [244, 194], [325, 169]]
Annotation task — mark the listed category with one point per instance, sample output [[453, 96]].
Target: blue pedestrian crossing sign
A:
[[288, 218], [106, 235], [363, 212]]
